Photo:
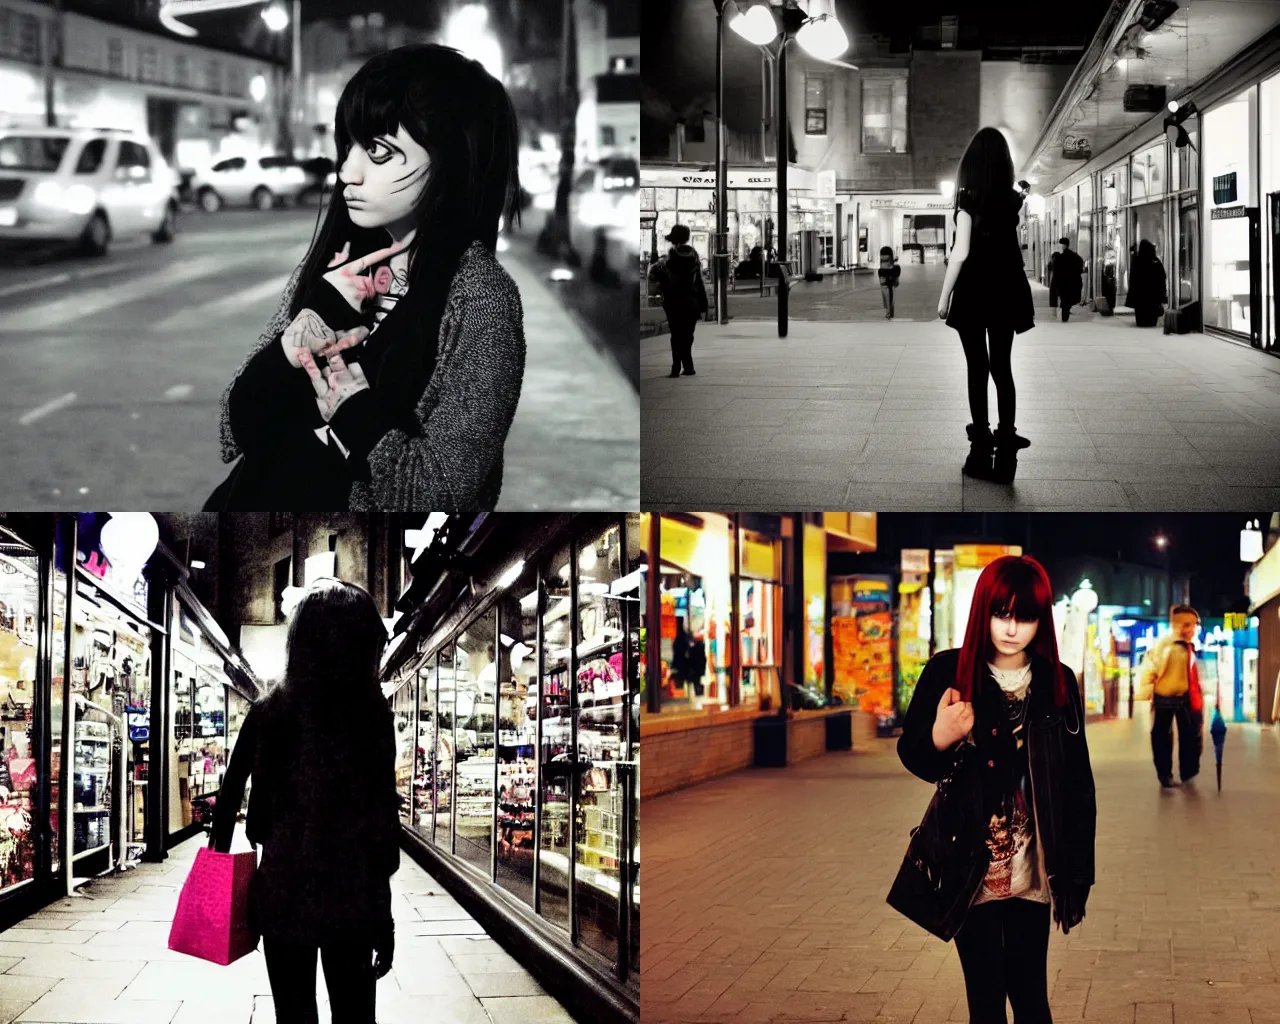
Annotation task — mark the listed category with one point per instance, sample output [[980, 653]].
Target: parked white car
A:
[[263, 182], [85, 186], [604, 219]]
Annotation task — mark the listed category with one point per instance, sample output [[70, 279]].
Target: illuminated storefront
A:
[[917, 227]]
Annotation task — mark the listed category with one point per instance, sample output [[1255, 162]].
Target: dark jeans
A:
[[682, 326], [348, 973], [1164, 712], [995, 364], [1004, 951], [1066, 311], [886, 296]]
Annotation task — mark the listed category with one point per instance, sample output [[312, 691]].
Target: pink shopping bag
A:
[[212, 921]]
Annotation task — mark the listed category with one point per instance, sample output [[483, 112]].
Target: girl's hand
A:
[[944, 304], [309, 333], [336, 383], [954, 721], [349, 280]]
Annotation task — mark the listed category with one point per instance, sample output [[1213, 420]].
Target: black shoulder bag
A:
[[947, 857]]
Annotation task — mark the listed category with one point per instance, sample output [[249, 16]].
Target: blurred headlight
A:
[[48, 193], [80, 199], [332, 179]]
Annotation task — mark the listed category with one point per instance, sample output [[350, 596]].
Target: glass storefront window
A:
[[1148, 173], [402, 708], [1269, 151], [476, 688], [445, 751], [1228, 190], [759, 617], [696, 599], [424, 786], [556, 739], [19, 631], [602, 703], [636, 559], [185, 658], [518, 734], [1114, 254]]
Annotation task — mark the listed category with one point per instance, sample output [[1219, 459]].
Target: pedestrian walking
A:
[[1067, 282], [1148, 285], [684, 296], [390, 374], [1005, 706], [889, 273], [986, 298], [1051, 274], [1170, 679], [321, 751]]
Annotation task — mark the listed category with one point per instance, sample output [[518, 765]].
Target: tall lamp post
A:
[[818, 31], [721, 255]]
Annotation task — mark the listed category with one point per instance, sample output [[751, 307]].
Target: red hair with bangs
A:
[[1017, 585]]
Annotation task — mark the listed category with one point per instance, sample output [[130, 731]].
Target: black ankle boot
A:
[[1005, 463], [981, 446], [1007, 435], [675, 371]]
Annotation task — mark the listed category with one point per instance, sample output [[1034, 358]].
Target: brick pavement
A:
[[766, 895], [872, 415], [102, 957]]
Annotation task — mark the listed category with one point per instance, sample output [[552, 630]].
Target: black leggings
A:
[[997, 366], [1004, 951], [348, 973]]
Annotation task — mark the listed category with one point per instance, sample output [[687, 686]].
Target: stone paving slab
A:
[[766, 896], [812, 407], [102, 957]]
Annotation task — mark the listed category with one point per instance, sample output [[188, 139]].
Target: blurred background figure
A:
[[161, 229], [1170, 678]]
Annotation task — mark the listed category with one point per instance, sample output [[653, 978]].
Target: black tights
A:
[[1004, 951], [997, 365], [348, 974]]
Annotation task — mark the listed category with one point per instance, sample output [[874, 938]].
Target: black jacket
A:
[[1148, 285], [679, 274], [1067, 268], [1062, 779], [325, 809]]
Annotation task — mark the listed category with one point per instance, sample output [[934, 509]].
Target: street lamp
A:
[[1161, 541], [1251, 541], [821, 35]]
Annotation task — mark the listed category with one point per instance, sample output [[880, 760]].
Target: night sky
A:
[[1205, 545], [678, 42]]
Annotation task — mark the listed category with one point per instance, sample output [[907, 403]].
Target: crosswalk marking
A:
[[224, 305], [53, 405]]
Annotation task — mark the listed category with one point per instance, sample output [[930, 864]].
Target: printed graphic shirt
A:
[[1016, 870]]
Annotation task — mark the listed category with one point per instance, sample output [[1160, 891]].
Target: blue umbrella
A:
[[1218, 730]]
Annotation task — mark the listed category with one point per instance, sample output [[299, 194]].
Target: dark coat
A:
[[1148, 289], [325, 809], [1067, 282], [1062, 779], [679, 274], [992, 289]]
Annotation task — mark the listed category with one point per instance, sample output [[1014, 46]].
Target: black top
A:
[[325, 809], [1148, 287], [890, 275], [992, 288], [274, 416]]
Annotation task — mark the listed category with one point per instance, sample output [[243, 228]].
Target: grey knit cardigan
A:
[[455, 463]]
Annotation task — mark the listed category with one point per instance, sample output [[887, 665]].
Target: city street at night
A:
[[801, 705], [114, 368]]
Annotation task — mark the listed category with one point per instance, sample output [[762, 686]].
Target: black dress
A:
[[992, 289]]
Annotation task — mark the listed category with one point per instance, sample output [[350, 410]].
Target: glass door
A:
[[556, 740], [602, 706]]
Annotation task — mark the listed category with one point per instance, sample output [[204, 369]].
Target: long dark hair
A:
[[334, 648], [1011, 585], [463, 117], [986, 169]]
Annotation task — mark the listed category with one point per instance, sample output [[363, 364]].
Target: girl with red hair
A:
[[1005, 700]]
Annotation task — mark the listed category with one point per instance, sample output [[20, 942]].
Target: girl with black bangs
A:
[[389, 376], [1006, 701]]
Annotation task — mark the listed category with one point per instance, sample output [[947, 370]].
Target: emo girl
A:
[[389, 376], [1006, 700]]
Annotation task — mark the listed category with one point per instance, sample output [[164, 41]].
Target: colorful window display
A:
[[862, 642], [915, 624], [760, 617], [475, 684], [518, 734], [554, 847], [19, 619]]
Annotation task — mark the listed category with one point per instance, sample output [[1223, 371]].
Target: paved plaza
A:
[[102, 957], [766, 896], [871, 415]]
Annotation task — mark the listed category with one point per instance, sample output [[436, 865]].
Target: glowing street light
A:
[[755, 25], [468, 30], [276, 17], [1162, 542]]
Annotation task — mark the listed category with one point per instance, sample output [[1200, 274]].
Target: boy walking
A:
[[684, 296], [889, 274], [1168, 676]]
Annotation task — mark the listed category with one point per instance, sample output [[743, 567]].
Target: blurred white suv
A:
[[604, 214], [263, 182], [85, 186]]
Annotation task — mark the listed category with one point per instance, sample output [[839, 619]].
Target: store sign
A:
[[911, 203], [1075, 147], [1224, 188], [749, 178], [1229, 213]]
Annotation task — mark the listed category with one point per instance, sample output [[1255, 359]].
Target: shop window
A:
[[518, 734], [1229, 190], [475, 684], [445, 751], [602, 703], [185, 656], [815, 105], [884, 115], [209, 750], [759, 615], [556, 739], [424, 784], [696, 603], [638, 565], [19, 625], [402, 706]]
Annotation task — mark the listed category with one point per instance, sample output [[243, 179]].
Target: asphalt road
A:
[[113, 369]]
